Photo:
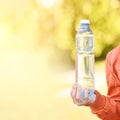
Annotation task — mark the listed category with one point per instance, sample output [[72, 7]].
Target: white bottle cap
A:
[[85, 21]]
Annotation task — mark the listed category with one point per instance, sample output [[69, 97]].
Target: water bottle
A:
[[85, 57]]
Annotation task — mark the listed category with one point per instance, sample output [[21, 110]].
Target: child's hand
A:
[[82, 96]]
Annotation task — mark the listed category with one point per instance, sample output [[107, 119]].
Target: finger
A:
[[82, 96], [79, 96], [78, 93], [79, 100], [91, 94], [79, 103], [86, 91], [73, 90], [86, 97]]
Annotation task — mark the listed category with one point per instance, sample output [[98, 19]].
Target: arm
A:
[[108, 107]]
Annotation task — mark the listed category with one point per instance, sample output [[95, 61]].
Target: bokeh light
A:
[[37, 55]]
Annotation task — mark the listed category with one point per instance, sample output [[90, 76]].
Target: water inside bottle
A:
[[85, 70], [84, 42]]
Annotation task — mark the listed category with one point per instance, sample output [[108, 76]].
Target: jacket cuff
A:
[[99, 102]]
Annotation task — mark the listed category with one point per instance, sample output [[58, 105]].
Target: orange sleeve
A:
[[108, 107]]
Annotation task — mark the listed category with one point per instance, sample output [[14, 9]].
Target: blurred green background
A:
[[37, 55]]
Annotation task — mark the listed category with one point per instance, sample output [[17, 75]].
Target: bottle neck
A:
[[84, 27]]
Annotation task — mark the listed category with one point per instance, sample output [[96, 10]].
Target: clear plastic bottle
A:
[[85, 56]]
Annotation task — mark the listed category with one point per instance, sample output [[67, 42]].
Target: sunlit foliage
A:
[[32, 24], [105, 23]]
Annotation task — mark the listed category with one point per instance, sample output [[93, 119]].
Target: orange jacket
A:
[[108, 107]]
